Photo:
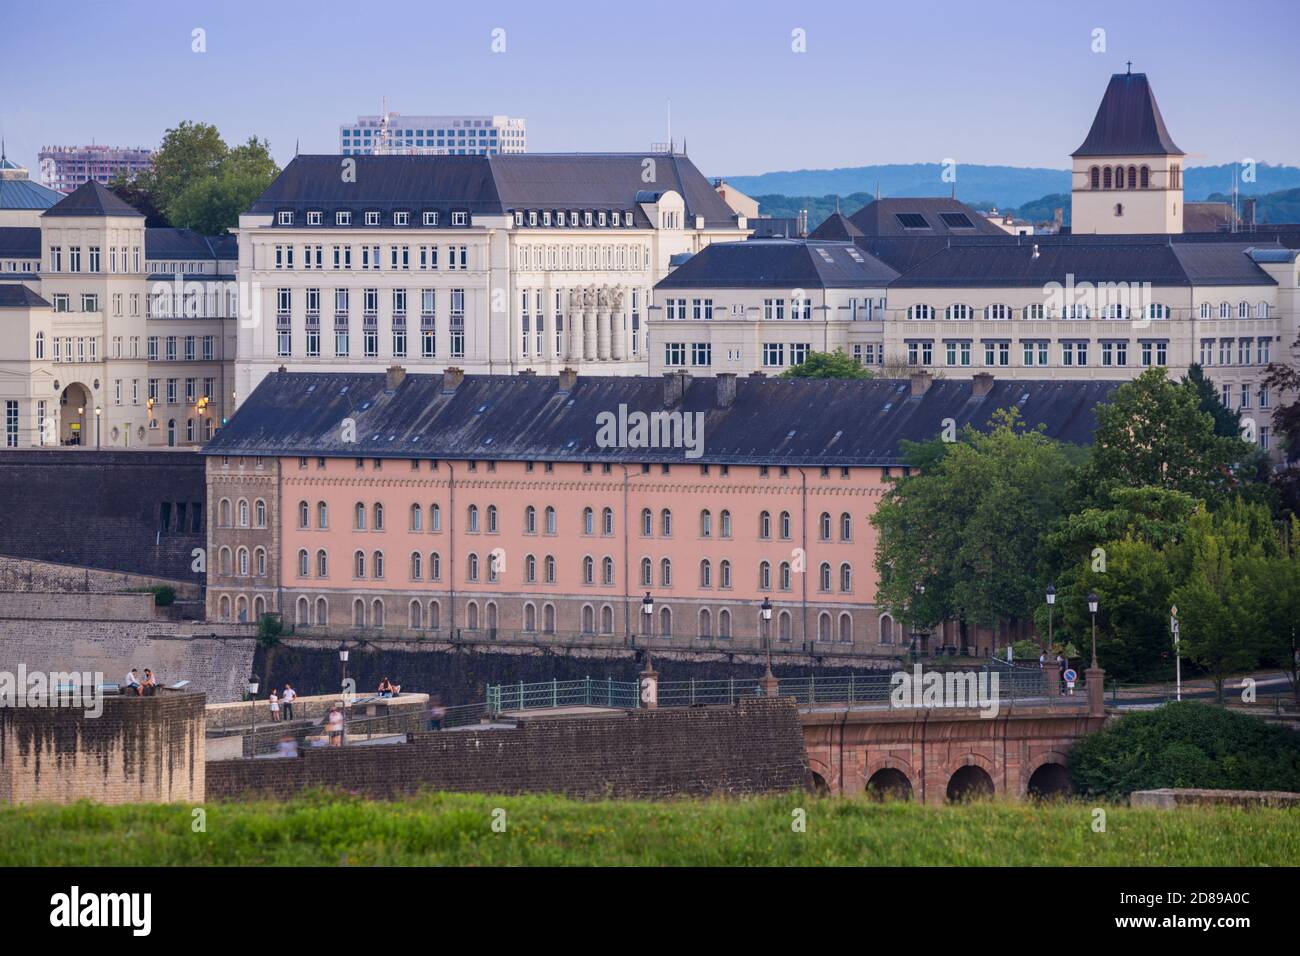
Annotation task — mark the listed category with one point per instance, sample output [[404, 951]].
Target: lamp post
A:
[[252, 694], [343, 663], [648, 615], [1092, 609], [769, 682], [917, 635], [99, 425], [1051, 605], [1096, 676], [81, 424]]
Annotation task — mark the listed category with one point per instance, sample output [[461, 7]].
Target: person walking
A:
[[288, 698], [275, 705]]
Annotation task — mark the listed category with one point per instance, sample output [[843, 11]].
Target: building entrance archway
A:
[[76, 416]]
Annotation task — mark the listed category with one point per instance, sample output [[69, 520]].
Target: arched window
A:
[[40, 345], [548, 619], [435, 517], [495, 560], [1132, 177], [359, 564], [920, 313], [225, 607], [530, 617], [824, 576], [588, 521], [783, 576], [724, 624], [472, 524], [472, 566], [416, 565], [359, 516], [666, 523], [783, 628], [706, 623], [243, 513], [1107, 178], [1144, 177], [377, 613], [724, 574], [607, 570], [171, 443], [647, 523], [764, 525], [259, 514], [549, 565], [588, 620], [415, 616], [301, 612], [606, 619], [491, 609], [824, 526], [435, 615], [223, 513], [823, 626], [785, 526], [1094, 177], [259, 607], [665, 622], [607, 521], [242, 559], [1119, 177], [647, 573], [764, 576], [998, 312], [886, 629], [225, 561], [530, 569], [724, 524], [241, 609], [846, 629], [304, 563], [358, 613], [1225, 310], [588, 570], [304, 515], [322, 515], [471, 616], [957, 313], [706, 524], [706, 574], [492, 519], [322, 564], [435, 566], [550, 520], [1243, 310], [322, 612], [846, 527], [417, 518], [846, 577], [259, 562], [666, 573], [530, 520]]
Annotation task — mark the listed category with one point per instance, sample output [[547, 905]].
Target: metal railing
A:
[[588, 692]]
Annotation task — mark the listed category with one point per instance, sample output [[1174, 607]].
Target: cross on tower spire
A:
[[1129, 64]]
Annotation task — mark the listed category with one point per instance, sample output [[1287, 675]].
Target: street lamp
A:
[[99, 424], [343, 663], [1051, 605], [1092, 609], [648, 614], [252, 694], [917, 634], [765, 613]]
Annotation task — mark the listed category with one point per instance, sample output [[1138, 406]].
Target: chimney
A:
[[726, 389], [920, 383], [675, 386], [567, 379], [452, 378], [528, 372], [395, 376], [982, 384], [281, 369]]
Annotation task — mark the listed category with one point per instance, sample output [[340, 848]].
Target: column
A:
[[602, 324], [589, 324], [574, 322], [618, 333]]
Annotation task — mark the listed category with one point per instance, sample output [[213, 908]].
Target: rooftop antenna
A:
[[877, 190], [1129, 64], [670, 126], [295, 148]]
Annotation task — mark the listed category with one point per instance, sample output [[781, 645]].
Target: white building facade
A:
[[395, 134]]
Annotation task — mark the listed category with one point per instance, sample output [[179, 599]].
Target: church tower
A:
[[1128, 174]]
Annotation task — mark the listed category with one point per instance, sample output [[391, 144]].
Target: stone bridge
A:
[[935, 754]]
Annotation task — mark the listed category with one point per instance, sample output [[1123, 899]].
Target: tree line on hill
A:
[[1168, 507]]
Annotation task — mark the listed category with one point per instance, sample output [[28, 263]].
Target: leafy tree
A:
[[1218, 613], [189, 152], [1227, 423], [1186, 744], [1282, 379], [212, 205], [827, 365], [1275, 580], [967, 523], [1153, 433]]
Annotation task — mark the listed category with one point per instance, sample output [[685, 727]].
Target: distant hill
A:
[[1283, 206], [1007, 187]]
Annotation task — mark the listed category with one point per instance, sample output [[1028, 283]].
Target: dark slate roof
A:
[[982, 264], [1128, 122], [383, 183], [941, 217], [24, 194], [836, 226], [779, 263], [18, 296], [1207, 216], [92, 199], [774, 227], [835, 422], [490, 185], [170, 243], [20, 242]]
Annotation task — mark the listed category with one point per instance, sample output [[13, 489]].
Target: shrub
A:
[[1186, 744], [164, 595]]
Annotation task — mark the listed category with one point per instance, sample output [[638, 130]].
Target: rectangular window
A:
[[773, 354], [701, 354], [11, 424], [675, 354]]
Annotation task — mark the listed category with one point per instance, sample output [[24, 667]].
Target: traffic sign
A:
[[1070, 675]]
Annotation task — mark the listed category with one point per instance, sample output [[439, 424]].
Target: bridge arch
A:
[[971, 779], [889, 783], [1050, 779], [821, 778]]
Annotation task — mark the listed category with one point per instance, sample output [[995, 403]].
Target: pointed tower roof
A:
[[92, 199], [1128, 122], [836, 226]]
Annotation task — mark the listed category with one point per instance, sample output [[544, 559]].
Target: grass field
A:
[[457, 830]]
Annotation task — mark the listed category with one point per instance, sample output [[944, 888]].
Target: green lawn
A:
[[456, 829]]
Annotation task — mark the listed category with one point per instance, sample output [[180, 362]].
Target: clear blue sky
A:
[[994, 81]]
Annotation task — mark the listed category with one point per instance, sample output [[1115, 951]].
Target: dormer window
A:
[[372, 218], [546, 217], [532, 217], [460, 218], [601, 219], [401, 219], [573, 218], [431, 219], [627, 218], [519, 217], [286, 218], [586, 218], [343, 219], [314, 218]]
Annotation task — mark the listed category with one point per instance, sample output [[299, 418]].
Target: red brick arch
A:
[[891, 762]]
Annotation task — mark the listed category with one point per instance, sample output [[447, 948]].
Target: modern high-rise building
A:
[[395, 134], [66, 167]]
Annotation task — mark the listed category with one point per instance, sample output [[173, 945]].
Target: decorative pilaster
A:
[[617, 332], [574, 320]]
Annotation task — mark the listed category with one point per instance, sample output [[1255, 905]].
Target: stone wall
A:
[[1171, 798], [755, 747], [104, 509], [61, 606], [139, 750], [25, 574]]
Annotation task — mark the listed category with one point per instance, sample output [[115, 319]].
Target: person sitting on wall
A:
[[385, 688], [131, 683], [150, 683]]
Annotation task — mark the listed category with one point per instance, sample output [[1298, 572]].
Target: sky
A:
[[991, 81]]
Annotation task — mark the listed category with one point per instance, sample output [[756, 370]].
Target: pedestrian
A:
[[275, 705], [335, 724], [288, 698], [437, 714], [1042, 660], [288, 746]]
